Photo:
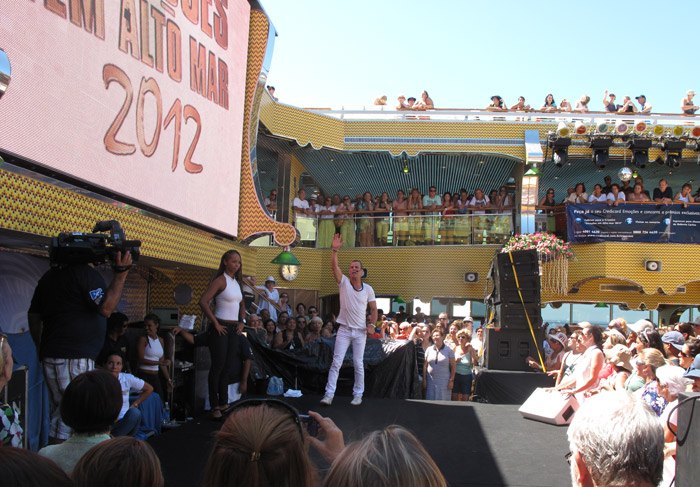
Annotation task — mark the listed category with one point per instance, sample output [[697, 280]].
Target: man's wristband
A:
[[121, 268], [335, 250]]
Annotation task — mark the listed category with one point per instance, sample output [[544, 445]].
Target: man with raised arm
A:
[[355, 296]]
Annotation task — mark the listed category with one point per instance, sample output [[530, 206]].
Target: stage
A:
[[473, 444]]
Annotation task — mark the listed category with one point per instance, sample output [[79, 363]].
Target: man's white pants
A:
[[345, 337]]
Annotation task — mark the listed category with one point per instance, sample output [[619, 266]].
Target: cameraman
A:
[[67, 320]]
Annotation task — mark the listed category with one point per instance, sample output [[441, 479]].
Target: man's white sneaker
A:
[[327, 400], [356, 401]]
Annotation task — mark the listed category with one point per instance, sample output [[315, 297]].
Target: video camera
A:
[[92, 248]]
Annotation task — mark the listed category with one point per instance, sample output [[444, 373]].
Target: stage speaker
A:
[[508, 349], [549, 407], [688, 441], [512, 315], [527, 267]]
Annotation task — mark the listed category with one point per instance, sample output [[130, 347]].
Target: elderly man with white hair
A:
[[615, 440]]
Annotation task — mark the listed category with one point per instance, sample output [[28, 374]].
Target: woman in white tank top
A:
[[152, 358], [226, 321]]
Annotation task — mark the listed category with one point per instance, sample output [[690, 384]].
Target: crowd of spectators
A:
[[451, 218], [615, 194], [497, 104]]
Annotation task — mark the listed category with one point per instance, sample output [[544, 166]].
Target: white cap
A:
[[270, 278]]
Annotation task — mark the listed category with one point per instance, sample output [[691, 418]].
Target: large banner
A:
[[630, 222], [143, 98]]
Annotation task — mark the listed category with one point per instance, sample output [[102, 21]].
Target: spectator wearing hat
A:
[[693, 373], [635, 329], [497, 105], [404, 331], [687, 105], [582, 104], [673, 344], [627, 106], [619, 357], [272, 295], [553, 361], [644, 107], [609, 102]]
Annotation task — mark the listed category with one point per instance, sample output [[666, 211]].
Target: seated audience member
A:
[[609, 105], [402, 103], [687, 105], [270, 330], [673, 344], [579, 195], [520, 105], [627, 106], [619, 358], [597, 196], [90, 405], [582, 104], [301, 310], [554, 360], [391, 457], [587, 371], [11, 432], [615, 196], [650, 338], [425, 102], [664, 193], [115, 339], [119, 462], [130, 415], [271, 201], [615, 440], [646, 363], [381, 100], [497, 104], [289, 338], [313, 330], [644, 107], [564, 106], [637, 194], [24, 468], [685, 195], [549, 104], [262, 443]]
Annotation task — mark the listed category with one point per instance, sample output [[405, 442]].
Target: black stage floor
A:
[[473, 444]]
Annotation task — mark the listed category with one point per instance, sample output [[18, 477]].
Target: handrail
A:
[[257, 292]]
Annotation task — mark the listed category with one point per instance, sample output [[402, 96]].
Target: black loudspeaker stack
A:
[[510, 341], [509, 311], [688, 441]]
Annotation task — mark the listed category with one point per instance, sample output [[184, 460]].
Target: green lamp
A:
[[285, 258]]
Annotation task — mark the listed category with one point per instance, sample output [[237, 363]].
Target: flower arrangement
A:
[[548, 246]]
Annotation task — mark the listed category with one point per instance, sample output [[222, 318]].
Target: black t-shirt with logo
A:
[[68, 301]]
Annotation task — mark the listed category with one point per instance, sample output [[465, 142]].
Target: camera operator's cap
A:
[[674, 338], [640, 96], [270, 278]]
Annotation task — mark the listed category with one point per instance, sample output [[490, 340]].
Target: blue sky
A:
[[331, 53]]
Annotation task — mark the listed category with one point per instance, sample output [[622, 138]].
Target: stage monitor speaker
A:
[[550, 407], [508, 349], [512, 315], [688, 441], [527, 267]]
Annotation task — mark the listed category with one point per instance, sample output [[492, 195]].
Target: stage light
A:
[[560, 147], [640, 152], [677, 131], [563, 130], [601, 151], [621, 127], [674, 152], [640, 127], [658, 130], [659, 160], [602, 128], [695, 132], [579, 127]]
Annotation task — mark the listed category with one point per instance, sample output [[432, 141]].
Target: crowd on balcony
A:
[[367, 221], [609, 104], [615, 194]]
